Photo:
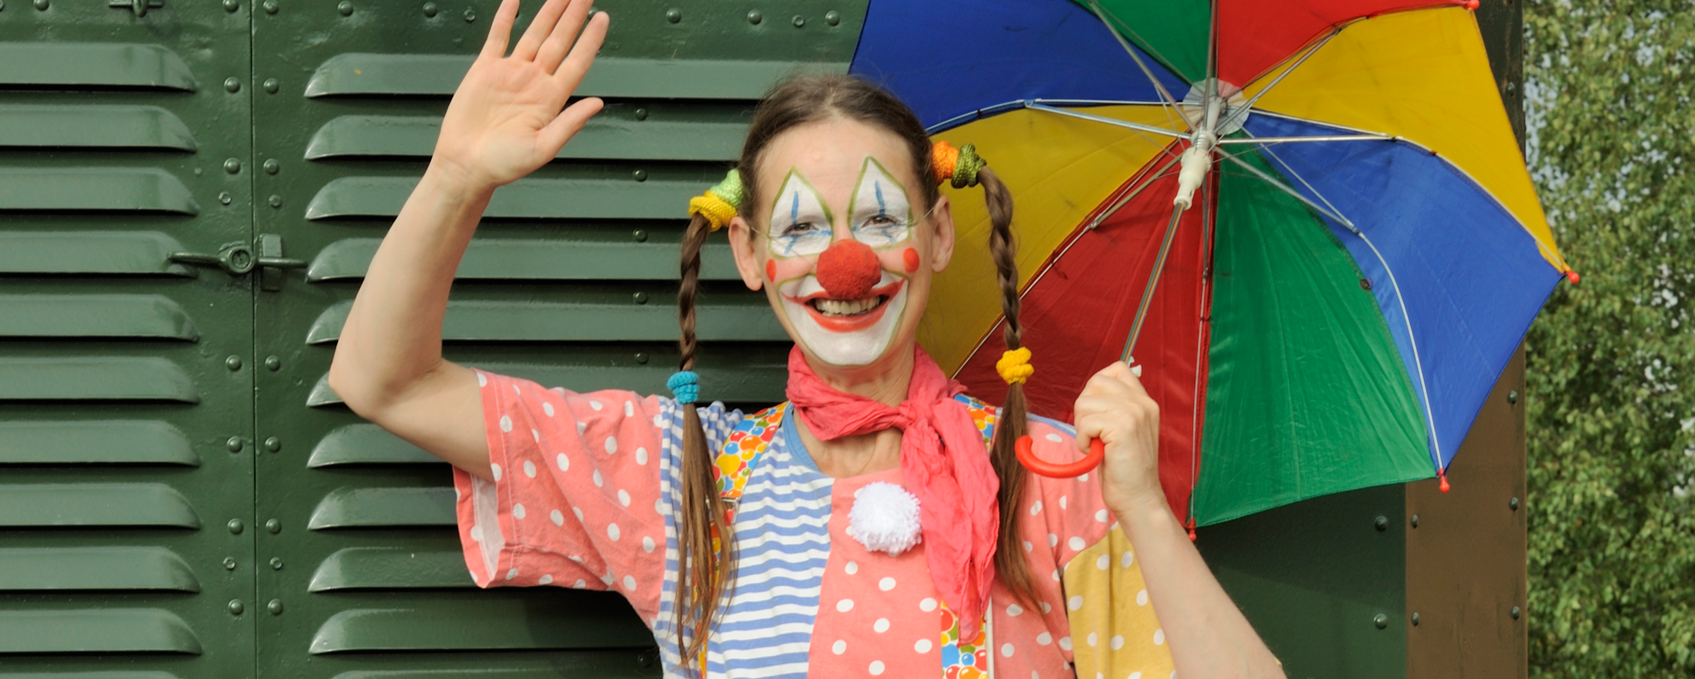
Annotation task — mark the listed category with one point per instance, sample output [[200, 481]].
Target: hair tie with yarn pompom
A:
[[720, 203], [685, 386], [1014, 366], [959, 165]]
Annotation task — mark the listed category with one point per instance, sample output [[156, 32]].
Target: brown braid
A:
[[1010, 564], [702, 573]]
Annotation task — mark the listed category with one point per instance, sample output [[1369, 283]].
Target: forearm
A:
[[1208, 635], [392, 338]]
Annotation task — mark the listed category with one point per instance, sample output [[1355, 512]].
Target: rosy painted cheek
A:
[[910, 258], [770, 270], [779, 270]]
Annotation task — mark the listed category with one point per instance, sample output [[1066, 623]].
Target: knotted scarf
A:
[[945, 465]]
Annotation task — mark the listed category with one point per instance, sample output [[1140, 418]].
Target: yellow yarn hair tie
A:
[[720, 203], [1014, 366]]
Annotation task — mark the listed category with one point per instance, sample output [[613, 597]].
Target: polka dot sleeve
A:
[[1111, 629], [575, 496]]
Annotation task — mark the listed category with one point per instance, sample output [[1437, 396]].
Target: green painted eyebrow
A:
[[865, 169], [795, 173]]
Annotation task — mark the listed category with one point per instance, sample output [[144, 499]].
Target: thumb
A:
[[566, 125]]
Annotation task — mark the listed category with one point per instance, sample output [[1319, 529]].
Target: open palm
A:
[[506, 119]]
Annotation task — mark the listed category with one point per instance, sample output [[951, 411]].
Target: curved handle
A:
[[1027, 457]]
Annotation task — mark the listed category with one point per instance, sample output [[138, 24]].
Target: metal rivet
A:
[[1381, 620], [641, 357], [225, 197], [231, 5], [470, 15], [270, 6], [232, 85], [1365, 284], [640, 235], [1513, 504], [234, 444], [640, 175], [233, 363], [800, 21], [274, 606], [41, 5], [645, 660], [273, 363], [272, 166], [273, 444], [235, 607], [271, 85], [275, 200], [1415, 618], [754, 17], [673, 15], [640, 297], [1415, 521], [1515, 612], [274, 526], [235, 526], [232, 165], [229, 563], [1382, 523], [276, 563], [641, 114], [1512, 396], [430, 9], [345, 7], [832, 17]]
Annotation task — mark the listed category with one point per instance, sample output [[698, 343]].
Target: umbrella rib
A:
[[1328, 212], [1156, 175], [1309, 51], [1038, 105], [1165, 96], [1418, 362], [1296, 140]]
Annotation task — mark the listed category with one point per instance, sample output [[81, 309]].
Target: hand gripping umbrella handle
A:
[[1027, 457]]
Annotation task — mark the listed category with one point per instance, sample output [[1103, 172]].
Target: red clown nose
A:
[[848, 269]]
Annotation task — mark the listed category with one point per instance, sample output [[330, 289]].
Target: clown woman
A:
[[875, 524]]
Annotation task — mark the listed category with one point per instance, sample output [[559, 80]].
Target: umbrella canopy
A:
[[1354, 273]]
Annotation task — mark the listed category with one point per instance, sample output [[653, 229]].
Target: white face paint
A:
[[879, 215], [854, 340], [841, 332]]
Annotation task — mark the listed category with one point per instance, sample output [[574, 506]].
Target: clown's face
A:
[[847, 246]]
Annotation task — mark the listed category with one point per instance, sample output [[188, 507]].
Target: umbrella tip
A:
[[1469, 4], [1443, 475], [1571, 275], [1191, 529]]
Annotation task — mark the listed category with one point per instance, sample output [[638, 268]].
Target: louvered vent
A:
[[571, 281], [125, 439]]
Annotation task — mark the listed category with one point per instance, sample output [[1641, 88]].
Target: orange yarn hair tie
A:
[[944, 158]]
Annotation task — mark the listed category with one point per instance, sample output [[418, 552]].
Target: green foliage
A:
[[1612, 361]]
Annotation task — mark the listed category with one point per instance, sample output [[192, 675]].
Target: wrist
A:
[[1143, 512], [454, 182]]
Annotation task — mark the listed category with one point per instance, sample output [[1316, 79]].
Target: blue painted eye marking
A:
[[794, 209], [882, 209]]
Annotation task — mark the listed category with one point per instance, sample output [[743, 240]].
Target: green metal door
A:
[[570, 281], [126, 410]]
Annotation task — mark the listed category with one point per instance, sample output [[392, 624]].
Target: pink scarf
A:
[[945, 465]]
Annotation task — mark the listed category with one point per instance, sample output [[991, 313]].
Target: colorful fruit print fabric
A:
[[585, 496]]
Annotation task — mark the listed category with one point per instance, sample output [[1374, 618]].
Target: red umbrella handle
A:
[[1028, 458]]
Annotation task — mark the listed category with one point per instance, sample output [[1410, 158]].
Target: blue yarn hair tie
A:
[[685, 385]]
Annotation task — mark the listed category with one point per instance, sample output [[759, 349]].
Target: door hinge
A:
[[140, 7], [237, 259]]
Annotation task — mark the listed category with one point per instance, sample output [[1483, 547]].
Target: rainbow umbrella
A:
[[1360, 254]]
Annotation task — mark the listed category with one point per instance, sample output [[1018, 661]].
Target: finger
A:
[[1121, 373], [568, 123], [1096, 416], [500, 32], [570, 73], [539, 29], [559, 41]]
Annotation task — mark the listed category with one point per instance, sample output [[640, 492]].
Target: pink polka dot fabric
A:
[[578, 503]]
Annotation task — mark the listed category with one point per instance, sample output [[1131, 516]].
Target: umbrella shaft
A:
[[1153, 282]]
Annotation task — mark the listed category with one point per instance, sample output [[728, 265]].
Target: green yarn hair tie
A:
[[965, 169], [730, 190]]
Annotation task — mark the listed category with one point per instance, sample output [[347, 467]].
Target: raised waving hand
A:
[[508, 116]]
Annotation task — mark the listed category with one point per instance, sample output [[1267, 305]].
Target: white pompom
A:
[[884, 518]]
